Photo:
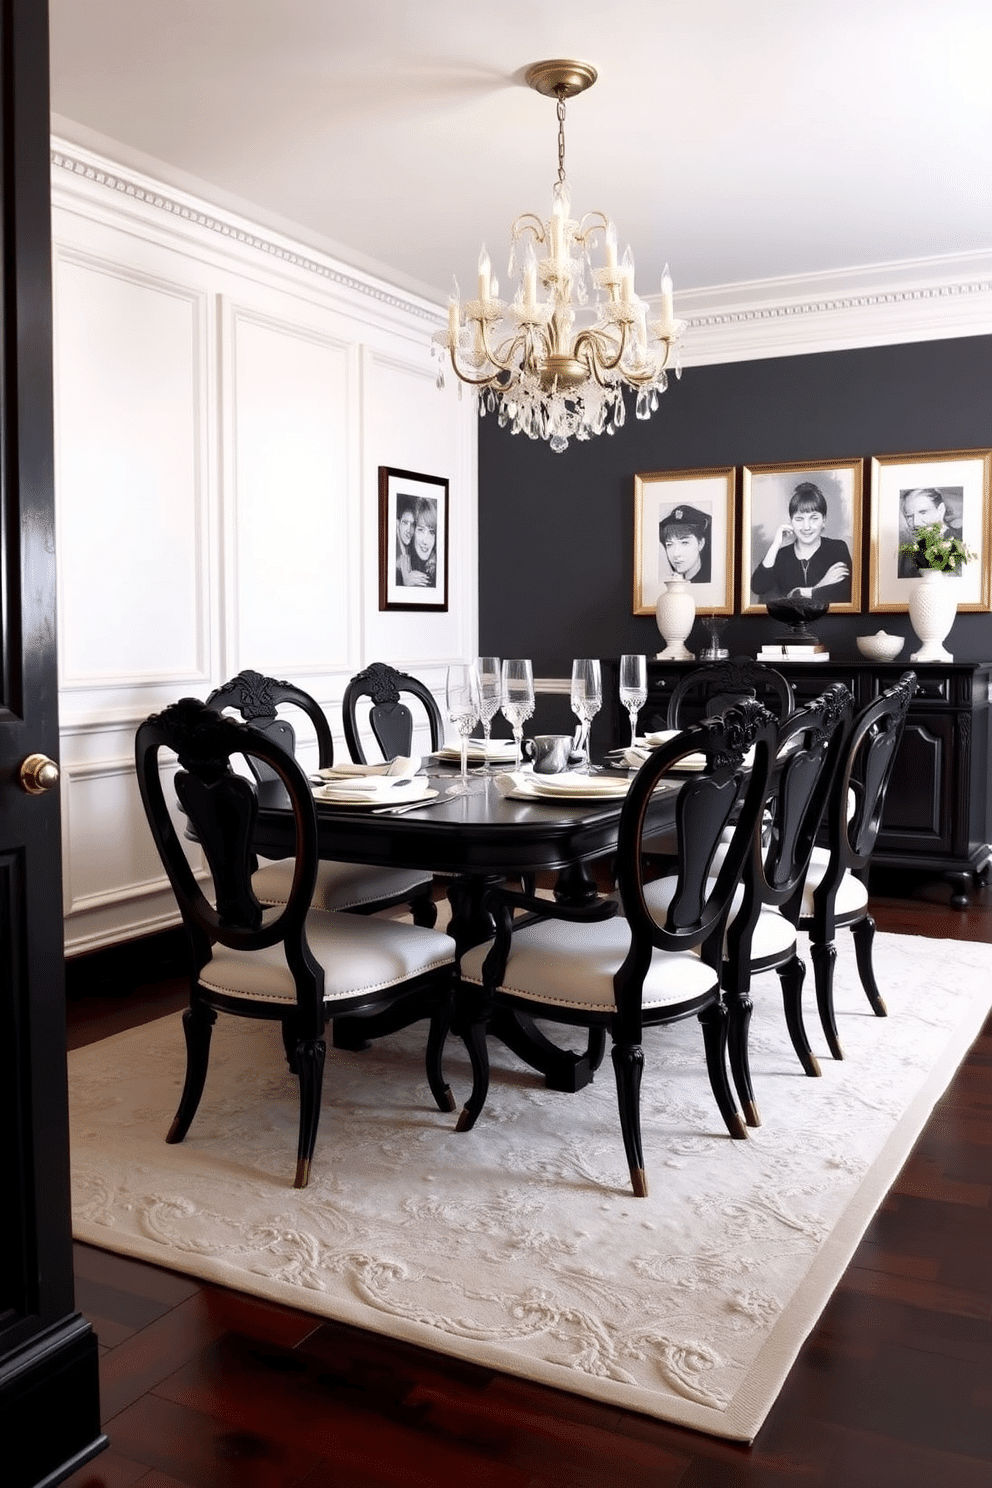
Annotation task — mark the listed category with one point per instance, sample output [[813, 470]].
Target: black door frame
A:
[[49, 1390]]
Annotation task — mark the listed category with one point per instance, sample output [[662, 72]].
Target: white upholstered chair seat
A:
[[572, 966], [851, 901], [343, 886], [359, 954], [773, 935], [852, 894]]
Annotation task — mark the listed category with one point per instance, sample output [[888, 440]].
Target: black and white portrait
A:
[[413, 541], [684, 529], [949, 489], [802, 535], [684, 548], [927, 506]]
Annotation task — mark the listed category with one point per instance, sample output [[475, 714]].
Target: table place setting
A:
[[348, 770], [635, 754], [375, 790], [496, 751], [530, 785]]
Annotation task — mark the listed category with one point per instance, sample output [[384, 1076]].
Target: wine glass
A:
[[462, 692], [633, 689], [587, 699], [490, 695], [517, 699]]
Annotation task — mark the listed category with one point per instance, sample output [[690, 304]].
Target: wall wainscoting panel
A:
[[131, 475], [109, 853], [224, 399], [406, 427], [291, 418]]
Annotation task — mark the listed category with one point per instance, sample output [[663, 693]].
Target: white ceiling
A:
[[739, 141]]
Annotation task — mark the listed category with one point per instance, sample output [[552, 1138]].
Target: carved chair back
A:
[[857, 798], [390, 719], [221, 806], [256, 698], [718, 807], [810, 746], [712, 688]]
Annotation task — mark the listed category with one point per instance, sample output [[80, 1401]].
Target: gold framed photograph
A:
[[801, 534], [684, 528], [908, 492]]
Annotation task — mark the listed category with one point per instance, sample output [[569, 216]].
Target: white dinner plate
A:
[[354, 801], [536, 788], [351, 770]]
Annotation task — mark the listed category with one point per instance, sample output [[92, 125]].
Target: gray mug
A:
[[549, 752]]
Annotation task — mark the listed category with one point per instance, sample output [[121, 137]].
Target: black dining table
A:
[[476, 841]]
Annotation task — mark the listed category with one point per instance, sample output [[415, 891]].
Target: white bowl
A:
[[881, 646]]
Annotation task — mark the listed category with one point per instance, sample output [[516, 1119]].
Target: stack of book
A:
[[794, 651]]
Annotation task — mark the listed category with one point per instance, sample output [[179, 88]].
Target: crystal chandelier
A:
[[550, 364]]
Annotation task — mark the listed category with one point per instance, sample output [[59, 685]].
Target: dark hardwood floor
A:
[[205, 1388]]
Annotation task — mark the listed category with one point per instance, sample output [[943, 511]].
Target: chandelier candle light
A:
[[554, 367]]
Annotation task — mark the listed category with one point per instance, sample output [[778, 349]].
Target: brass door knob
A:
[[39, 774]]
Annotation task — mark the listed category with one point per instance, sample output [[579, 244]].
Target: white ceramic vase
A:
[[676, 615], [933, 604]]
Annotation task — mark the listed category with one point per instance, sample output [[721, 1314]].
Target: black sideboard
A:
[[938, 810]]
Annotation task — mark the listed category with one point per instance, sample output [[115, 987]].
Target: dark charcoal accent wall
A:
[[556, 531]]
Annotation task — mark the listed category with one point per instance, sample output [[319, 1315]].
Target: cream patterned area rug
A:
[[519, 1245]]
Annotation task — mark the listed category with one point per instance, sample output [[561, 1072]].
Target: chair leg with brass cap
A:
[[792, 976], [714, 1025], [824, 957], [628, 1066], [310, 1055]]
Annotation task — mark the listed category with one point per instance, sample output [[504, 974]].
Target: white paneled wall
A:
[[224, 398]]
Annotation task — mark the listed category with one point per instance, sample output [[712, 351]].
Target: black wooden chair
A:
[[759, 938], [713, 687], [389, 718], [621, 974], [709, 690], [357, 887], [286, 962], [835, 890]]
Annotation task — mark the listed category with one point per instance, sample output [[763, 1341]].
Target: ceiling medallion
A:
[[549, 363]]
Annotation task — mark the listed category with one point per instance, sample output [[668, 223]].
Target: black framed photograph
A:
[[801, 534], [908, 492], [684, 529], [413, 540]]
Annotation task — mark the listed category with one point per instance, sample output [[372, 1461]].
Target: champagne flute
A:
[[587, 699], [490, 695], [517, 700], [462, 691], [633, 689]]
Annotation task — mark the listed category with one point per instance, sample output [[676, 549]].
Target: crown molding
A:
[[867, 305], [77, 171], [870, 305]]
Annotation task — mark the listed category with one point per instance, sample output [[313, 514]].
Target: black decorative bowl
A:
[[796, 612]]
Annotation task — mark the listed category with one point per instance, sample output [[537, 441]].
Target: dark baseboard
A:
[[116, 970]]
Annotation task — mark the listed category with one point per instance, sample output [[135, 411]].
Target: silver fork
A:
[[437, 800]]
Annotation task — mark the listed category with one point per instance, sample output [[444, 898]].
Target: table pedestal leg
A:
[[562, 1070]]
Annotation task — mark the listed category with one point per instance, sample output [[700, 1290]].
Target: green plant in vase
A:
[[932, 547], [939, 557]]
